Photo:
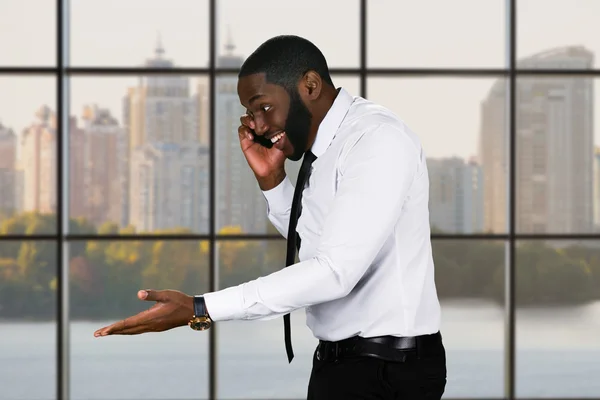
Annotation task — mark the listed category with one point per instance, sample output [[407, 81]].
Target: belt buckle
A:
[[321, 351], [325, 349]]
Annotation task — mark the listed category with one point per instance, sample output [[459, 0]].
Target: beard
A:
[[297, 125]]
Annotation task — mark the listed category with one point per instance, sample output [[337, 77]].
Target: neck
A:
[[320, 110]]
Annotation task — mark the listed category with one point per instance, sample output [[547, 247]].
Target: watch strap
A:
[[200, 306]]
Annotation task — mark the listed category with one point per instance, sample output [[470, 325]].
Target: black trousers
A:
[[422, 376]]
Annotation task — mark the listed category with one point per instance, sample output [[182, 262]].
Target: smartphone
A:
[[263, 141]]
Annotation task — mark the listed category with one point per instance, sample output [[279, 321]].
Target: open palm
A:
[[172, 309]]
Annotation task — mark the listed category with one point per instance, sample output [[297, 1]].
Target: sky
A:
[[443, 111]]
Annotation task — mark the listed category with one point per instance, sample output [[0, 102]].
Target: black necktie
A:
[[293, 239]]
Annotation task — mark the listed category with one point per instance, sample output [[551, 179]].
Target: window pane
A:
[[469, 276], [28, 318], [558, 34], [260, 370], [139, 33], [436, 34], [470, 284], [245, 25], [558, 319], [461, 123], [141, 154], [28, 33], [28, 164], [555, 155], [104, 280]]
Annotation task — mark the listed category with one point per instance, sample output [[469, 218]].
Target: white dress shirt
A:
[[366, 265]]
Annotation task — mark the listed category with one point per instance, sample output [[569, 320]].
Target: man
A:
[[366, 275]]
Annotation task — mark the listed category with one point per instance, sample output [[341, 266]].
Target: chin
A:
[[290, 151], [294, 157]]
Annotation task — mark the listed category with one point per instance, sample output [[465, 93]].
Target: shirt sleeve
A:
[[376, 176], [279, 205]]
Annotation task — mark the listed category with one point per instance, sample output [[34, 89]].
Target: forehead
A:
[[252, 88]]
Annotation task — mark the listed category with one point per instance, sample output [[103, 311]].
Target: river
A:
[[558, 353]]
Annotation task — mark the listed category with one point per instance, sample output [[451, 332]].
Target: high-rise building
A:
[[159, 113], [554, 148], [8, 183], [38, 163], [202, 114], [76, 167], [493, 155], [455, 195], [239, 199], [38, 157], [161, 107], [169, 187], [8, 147], [596, 186], [474, 194], [103, 151]]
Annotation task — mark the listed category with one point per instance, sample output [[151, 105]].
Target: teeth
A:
[[275, 138]]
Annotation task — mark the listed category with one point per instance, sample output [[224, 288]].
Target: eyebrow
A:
[[255, 97]]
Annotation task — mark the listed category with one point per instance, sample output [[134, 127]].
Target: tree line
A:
[[104, 276]]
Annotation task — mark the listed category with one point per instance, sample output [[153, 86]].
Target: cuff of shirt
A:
[[226, 304], [279, 199]]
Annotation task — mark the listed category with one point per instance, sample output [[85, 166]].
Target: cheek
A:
[[277, 121]]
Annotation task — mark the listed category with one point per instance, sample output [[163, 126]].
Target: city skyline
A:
[[465, 95], [156, 110]]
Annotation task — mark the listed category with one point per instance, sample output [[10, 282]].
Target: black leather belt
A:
[[388, 348]]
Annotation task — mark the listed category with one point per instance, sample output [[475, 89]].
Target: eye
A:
[[266, 108]]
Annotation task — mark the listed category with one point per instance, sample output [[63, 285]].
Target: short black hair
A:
[[284, 59]]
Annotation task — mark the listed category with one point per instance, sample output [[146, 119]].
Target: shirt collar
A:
[[332, 121]]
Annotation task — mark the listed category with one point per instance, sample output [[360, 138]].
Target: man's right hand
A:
[[267, 164]]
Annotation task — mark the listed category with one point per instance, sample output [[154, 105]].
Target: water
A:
[[558, 356]]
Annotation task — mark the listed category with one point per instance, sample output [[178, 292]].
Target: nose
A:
[[261, 127]]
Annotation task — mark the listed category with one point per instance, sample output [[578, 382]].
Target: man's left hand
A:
[[172, 309]]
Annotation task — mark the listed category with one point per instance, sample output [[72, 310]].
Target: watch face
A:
[[200, 323]]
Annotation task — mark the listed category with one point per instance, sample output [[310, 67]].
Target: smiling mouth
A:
[[275, 138]]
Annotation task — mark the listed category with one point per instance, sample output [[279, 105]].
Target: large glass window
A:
[[120, 169], [104, 277]]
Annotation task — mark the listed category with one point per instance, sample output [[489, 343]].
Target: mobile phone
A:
[[263, 141]]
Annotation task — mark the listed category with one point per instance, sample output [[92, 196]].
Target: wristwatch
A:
[[201, 320]]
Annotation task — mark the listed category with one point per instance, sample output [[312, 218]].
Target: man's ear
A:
[[310, 86]]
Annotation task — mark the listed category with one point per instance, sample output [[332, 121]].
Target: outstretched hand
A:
[[172, 309]]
